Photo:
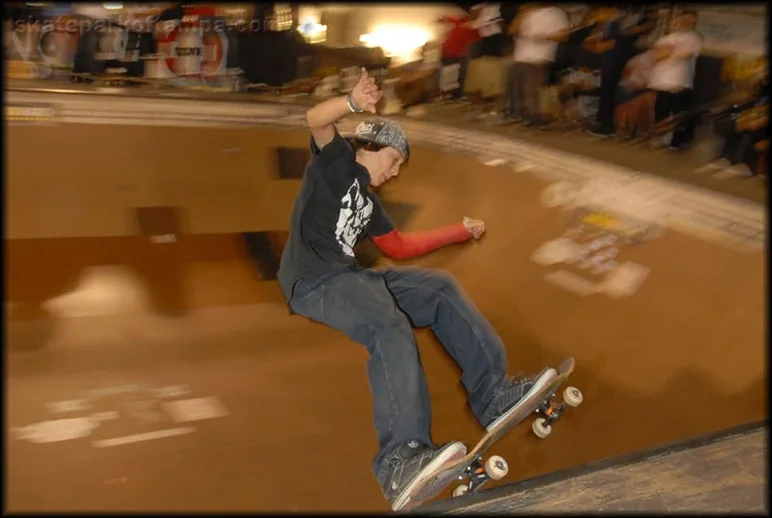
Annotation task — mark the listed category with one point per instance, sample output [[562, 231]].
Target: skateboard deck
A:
[[538, 401]]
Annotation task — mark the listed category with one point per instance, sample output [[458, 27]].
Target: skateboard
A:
[[477, 472]]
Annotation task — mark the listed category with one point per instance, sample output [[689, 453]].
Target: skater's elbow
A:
[[393, 246]]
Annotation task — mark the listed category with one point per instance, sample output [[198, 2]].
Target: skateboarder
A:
[[321, 280]]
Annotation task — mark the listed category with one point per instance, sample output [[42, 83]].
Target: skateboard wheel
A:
[[541, 428], [573, 396], [460, 490], [496, 467]]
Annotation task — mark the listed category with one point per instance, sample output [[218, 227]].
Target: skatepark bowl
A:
[[152, 365]]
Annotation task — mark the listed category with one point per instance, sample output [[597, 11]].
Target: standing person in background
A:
[[673, 75], [538, 31], [744, 132], [485, 80], [473, 52], [455, 47], [640, 22], [634, 103], [85, 60], [576, 55], [616, 47], [510, 113]]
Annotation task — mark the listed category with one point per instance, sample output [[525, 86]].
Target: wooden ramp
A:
[[723, 472]]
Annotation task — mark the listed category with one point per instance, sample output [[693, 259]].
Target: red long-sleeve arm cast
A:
[[399, 245]]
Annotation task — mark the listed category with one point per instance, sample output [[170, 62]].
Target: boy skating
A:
[[378, 308]]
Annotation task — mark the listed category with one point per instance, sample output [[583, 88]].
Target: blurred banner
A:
[[135, 43], [195, 45], [38, 44]]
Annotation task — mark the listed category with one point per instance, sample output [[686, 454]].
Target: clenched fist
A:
[[475, 227]]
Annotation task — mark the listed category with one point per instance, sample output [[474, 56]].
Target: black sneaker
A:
[[512, 392], [411, 464]]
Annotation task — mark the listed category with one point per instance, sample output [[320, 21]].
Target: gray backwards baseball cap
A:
[[383, 132]]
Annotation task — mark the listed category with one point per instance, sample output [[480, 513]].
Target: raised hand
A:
[[366, 93]]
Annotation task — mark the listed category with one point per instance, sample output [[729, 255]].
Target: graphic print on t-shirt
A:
[[355, 212]]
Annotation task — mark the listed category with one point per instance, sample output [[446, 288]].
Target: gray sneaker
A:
[[513, 391], [411, 464]]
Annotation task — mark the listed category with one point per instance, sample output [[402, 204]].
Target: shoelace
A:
[[520, 380], [396, 458]]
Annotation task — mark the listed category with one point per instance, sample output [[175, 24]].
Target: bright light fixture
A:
[[397, 41]]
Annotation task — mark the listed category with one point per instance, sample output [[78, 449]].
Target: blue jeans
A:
[[378, 309]]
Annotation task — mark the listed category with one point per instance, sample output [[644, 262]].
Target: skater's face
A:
[[382, 165]]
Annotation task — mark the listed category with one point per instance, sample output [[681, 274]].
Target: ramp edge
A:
[[625, 459]]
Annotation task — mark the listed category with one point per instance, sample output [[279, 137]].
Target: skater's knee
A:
[[390, 327], [443, 282]]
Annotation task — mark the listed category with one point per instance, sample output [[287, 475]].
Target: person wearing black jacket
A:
[[615, 40]]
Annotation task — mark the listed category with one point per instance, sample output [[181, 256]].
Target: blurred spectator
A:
[[84, 62], [485, 79], [745, 136], [538, 29], [574, 72], [614, 39], [455, 46], [672, 77], [576, 55], [640, 22], [634, 102], [93, 20]]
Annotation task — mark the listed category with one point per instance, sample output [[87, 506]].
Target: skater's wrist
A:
[[459, 232], [328, 112]]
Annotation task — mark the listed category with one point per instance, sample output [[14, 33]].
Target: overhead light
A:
[[312, 30], [113, 7], [397, 41]]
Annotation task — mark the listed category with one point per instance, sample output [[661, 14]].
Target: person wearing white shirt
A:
[[672, 76], [539, 29], [486, 75]]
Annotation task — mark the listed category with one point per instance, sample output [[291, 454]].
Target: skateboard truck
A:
[[550, 410], [495, 468]]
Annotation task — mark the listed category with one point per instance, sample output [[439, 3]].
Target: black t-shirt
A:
[[333, 211]]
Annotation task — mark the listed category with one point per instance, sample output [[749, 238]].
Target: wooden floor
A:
[[720, 474]]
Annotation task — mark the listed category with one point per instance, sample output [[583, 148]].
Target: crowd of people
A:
[[622, 71], [615, 72]]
